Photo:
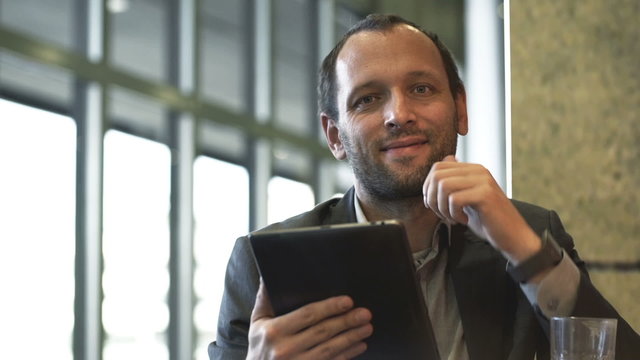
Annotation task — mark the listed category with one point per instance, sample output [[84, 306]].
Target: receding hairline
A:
[[385, 30]]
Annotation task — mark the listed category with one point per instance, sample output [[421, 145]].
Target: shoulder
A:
[[541, 219], [333, 211], [530, 210], [538, 217]]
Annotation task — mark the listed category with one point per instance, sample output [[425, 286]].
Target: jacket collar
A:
[[342, 210]]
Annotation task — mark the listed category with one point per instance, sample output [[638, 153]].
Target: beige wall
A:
[[576, 128]]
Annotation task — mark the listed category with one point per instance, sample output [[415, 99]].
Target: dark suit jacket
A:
[[498, 320]]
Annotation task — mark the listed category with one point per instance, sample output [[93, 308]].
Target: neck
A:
[[419, 222]]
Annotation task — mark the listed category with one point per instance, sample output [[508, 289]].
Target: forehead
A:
[[374, 55]]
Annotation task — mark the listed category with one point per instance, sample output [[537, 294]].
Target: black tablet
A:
[[370, 262]]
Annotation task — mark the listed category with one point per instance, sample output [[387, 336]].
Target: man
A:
[[392, 105]]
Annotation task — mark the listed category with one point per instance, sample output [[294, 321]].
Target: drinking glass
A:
[[580, 338]]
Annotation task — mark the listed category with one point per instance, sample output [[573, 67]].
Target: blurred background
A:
[[140, 138]]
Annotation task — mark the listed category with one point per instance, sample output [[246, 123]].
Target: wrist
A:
[[549, 255], [528, 245]]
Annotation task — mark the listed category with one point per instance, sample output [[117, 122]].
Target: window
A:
[[294, 66], [221, 214], [37, 231], [287, 198], [54, 19], [135, 247], [138, 37], [224, 55]]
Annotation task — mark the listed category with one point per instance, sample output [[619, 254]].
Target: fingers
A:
[[326, 329], [313, 313], [352, 327], [347, 345], [451, 186]]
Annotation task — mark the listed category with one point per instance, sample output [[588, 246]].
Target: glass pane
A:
[[135, 247], [222, 139], [294, 76], [43, 82], [287, 198], [221, 214], [137, 113], [37, 232], [224, 52], [292, 161], [51, 20], [139, 33]]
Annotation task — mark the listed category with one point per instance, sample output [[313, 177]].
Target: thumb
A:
[[262, 308]]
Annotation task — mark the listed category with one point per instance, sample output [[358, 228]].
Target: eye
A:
[[364, 101], [421, 89]]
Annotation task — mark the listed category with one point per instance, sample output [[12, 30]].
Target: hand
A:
[[328, 329], [468, 194]]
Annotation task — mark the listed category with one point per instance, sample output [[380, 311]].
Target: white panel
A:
[[484, 73]]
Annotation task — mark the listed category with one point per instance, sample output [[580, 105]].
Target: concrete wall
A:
[[575, 69]]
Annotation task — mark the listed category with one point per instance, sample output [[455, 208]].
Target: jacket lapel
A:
[[342, 211], [479, 279]]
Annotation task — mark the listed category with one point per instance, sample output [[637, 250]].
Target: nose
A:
[[398, 112]]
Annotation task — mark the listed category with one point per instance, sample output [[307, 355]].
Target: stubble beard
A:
[[384, 183]]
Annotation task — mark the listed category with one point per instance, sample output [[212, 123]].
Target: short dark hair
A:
[[327, 83]]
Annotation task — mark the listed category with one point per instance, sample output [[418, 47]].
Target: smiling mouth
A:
[[404, 144]]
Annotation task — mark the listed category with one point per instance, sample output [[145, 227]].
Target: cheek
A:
[[437, 114]]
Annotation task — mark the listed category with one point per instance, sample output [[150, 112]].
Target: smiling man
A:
[[492, 270]]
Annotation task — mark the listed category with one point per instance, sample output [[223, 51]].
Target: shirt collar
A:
[[360, 218], [442, 231]]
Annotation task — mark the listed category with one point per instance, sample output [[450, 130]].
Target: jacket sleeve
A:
[[589, 301], [240, 288]]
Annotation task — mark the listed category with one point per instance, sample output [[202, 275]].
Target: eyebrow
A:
[[422, 74], [368, 85]]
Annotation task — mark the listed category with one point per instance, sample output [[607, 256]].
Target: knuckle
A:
[[270, 333], [281, 353], [436, 176], [321, 330], [326, 352], [308, 314], [444, 185]]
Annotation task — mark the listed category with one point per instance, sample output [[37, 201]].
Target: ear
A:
[[461, 107], [332, 133]]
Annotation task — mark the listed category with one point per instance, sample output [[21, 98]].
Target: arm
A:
[[319, 330], [588, 300], [468, 194], [240, 288]]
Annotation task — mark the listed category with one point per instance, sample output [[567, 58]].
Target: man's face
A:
[[397, 114]]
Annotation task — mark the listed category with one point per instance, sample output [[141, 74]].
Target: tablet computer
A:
[[371, 262]]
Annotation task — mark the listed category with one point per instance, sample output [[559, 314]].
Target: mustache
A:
[[396, 134]]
